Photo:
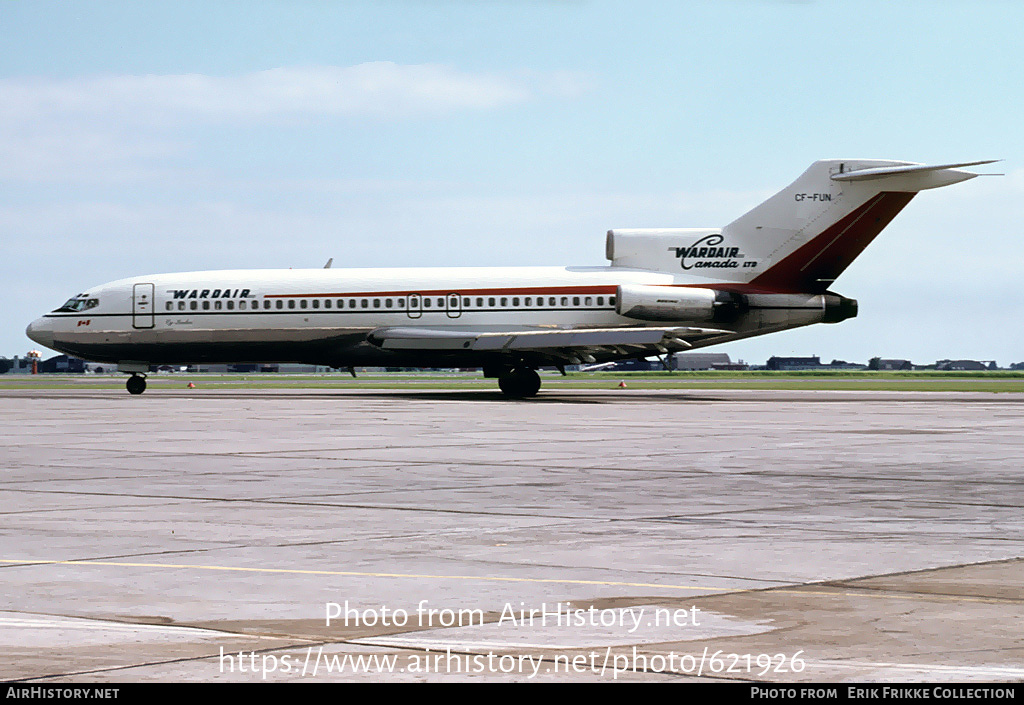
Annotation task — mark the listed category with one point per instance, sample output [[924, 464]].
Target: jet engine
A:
[[674, 303]]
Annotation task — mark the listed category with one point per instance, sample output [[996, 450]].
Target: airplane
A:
[[665, 290]]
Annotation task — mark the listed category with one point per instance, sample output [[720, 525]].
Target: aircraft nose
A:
[[40, 331]]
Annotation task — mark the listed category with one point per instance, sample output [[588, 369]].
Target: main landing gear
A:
[[136, 384], [519, 382]]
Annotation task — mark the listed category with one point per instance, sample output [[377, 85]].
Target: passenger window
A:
[[217, 305], [504, 301], [280, 304], [600, 301], [565, 300], [193, 305], [575, 301], [302, 303], [366, 303], [181, 305], [401, 303], [479, 302], [387, 303], [490, 301], [588, 301], [426, 302], [316, 303], [206, 305], [611, 300], [440, 303], [241, 305], [327, 303], [351, 303], [515, 300], [528, 301], [551, 301], [467, 302], [291, 303], [341, 303], [170, 305], [231, 305], [376, 303]]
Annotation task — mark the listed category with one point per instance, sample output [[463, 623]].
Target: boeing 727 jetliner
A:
[[665, 290]]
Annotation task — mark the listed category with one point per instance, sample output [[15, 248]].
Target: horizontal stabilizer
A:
[[905, 170]]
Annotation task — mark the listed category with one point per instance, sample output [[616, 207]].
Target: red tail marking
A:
[[815, 264]]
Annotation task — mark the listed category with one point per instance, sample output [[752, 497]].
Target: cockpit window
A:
[[78, 303]]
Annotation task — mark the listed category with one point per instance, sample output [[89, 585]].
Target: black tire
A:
[[507, 385], [531, 382], [519, 383], [136, 384]]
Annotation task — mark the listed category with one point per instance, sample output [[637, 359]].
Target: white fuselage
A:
[[323, 316]]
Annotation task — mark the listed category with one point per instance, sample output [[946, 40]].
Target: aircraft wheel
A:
[[519, 383], [531, 382], [136, 384]]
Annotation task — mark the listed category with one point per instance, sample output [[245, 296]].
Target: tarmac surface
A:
[[586, 535]]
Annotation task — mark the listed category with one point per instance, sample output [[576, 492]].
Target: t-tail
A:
[[799, 240]]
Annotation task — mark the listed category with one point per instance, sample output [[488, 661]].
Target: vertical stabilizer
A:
[[800, 239], [803, 237]]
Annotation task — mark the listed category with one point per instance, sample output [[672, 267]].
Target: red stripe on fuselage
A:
[[505, 291]]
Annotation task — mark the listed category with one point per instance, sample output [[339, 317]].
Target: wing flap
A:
[[521, 340]]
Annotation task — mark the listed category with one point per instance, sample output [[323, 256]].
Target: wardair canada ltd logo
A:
[[708, 252]]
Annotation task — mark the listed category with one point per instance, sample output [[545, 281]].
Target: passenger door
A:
[[142, 306]]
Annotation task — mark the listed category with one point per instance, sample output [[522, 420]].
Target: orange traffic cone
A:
[[191, 386], [622, 384]]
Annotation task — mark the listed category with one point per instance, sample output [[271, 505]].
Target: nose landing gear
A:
[[136, 384]]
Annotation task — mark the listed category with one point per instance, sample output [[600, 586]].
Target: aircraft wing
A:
[[585, 344]]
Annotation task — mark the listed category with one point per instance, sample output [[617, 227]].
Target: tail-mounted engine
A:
[[672, 303]]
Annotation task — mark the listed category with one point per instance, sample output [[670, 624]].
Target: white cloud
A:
[[377, 89], [113, 129], [85, 155]]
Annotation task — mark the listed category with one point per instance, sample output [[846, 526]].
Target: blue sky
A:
[[154, 137]]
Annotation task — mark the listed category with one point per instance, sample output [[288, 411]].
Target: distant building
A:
[[278, 367], [16, 366], [809, 363], [965, 365], [62, 363], [23, 365], [301, 369], [844, 365], [878, 363], [794, 363], [641, 365], [247, 368], [700, 361]]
